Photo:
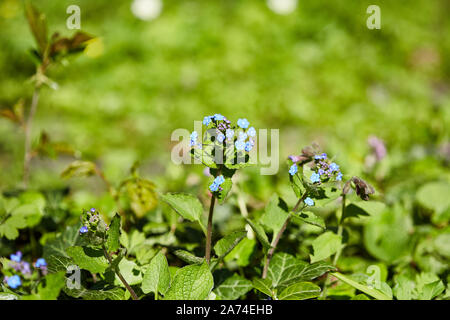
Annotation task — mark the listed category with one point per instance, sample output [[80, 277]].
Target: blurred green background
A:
[[317, 74]]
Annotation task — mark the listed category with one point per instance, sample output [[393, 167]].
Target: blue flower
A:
[[14, 281], [16, 257], [309, 201], [219, 180], [218, 117], [206, 121], [322, 156], [243, 123], [339, 177], [194, 136], [229, 133], [251, 132], [239, 144], [242, 136], [214, 187], [92, 210], [315, 177], [248, 146], [293, 169], [83, 230], [334, 167], [40, 263], [220, 137]]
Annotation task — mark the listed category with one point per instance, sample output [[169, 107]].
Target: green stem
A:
[[209, 229], [28, 131], [116, 270], [278, 236]]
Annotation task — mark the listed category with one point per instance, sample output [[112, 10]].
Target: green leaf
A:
[[112, 242], [89, 259], [38, 26], [284, 270], [79, 169], [114, 293], [157, 277], [325, 245], [275, 214], [54, 282], [404, 288], [226, 187], [263, 285], [233, 288], [300, 291], [130, 271], [188, 257], [243, 252], [227, 243], [193, 282], [55, 250], [434, 196], [361, 287], [429, 286], [310, 218], [186, 205], [260, 233], [142, 195], [387, 235]]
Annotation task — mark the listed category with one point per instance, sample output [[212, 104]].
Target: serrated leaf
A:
[[193, 282], [227, 243], [157, 277], [233, 288], [89, 259], [112, 243], [325, 245], [260, 233], [300, 291]]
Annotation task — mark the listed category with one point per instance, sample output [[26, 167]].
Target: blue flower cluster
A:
[[215, 186], [226, 132], [24, 268], [92, 221], [325, 169]]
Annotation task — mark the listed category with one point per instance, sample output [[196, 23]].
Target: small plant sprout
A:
[[105, 238]]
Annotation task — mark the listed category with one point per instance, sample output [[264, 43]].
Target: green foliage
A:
[[157, 277], [233, 288], [193, 282], [325, 245], [186, 205]]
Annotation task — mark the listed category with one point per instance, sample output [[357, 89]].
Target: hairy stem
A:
[[278, 236], [209, 229], [28, 129], [116, 270]]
